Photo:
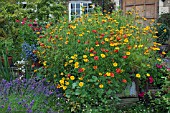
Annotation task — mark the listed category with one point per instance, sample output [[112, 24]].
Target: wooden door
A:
[[145, 8]]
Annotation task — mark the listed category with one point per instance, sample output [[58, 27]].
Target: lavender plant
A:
[[30, 96]]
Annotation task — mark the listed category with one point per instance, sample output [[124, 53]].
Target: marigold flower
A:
[[163, 53], [101, 86], [94, 67], [80, 78], [147, 74], [72, 77], [100, 74], [127, 53], [96, 58], [85, 60], [55, 75], [61, 81], [84, 56], [64, 87], [91, 54], [67, 83], [76, 65], [108, 73], [124, 81], [118, 70], [103, 55], [70, 61], [138, 75], [81, 84], [115, 64]]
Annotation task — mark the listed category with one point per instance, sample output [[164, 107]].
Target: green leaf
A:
[[74, 85], [77, 92]]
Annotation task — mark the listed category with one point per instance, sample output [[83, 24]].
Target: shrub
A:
[[93, 58]]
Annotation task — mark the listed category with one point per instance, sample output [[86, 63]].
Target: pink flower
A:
[[151, 80], [141, 94], [96, 58], [17, 21], [158, 66]]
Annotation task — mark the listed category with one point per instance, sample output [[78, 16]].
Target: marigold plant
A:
[[94, 57]]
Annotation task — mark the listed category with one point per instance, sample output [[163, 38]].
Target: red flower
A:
[[116, 50], [78, 41], [118, 38], [118, 70], [106, 50], [109, 81], [102, 35], [124, 81], [80, 70], [125, 36], [102, 42], [141, 94], [96, 58], [94, 67], [151, 80], [112, 74], [94, 52], [17, 21], [158, 66], [125, 57], [94, 31], [68, 75], [96, 42]]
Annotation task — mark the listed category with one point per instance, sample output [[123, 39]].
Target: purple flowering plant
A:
[[30, 96]]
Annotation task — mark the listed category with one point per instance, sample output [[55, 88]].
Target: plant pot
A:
[[9, 60]]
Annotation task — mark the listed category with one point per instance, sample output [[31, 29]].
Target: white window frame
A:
[[81, 4]]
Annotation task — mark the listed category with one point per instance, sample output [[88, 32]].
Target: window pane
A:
[[78, 11], [85, 4], [77, 5], [72, 6]]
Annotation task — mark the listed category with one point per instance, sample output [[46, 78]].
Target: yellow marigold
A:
[[101, 86], [117, 48], [64, 87], [45, 63], [127, 53], [76, 65], [61, 81], [85, 60], [55, 75], [81, 84], [147, 74], [91, 54], [72, 77], [80, 78], [84, 56], [163, 53], [159, 59], [140, 46], [106, 39], [100, 74], [115, 64], [165, 30], [138, 75], [103, 55], [61, 73], [108, 73], [70, 61], [67, 83], [35, 70], [80, 35], [126, 40]]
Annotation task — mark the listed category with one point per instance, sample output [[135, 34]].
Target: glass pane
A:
[[72, 6], [85, 4], [77, 11], [77, 5], [90, 5]]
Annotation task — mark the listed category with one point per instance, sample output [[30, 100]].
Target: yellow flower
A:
[[159, 59], [76, 65], [67, 83], [35, 70], [61, 73], [100, 74], [108, 74], [127, 53], [165, 30], [81, 84], [55, 75], [117, 48], [163, 53], [138, 75], [64, 87], [101, 86], [61, 81], [147, 74], [126, 40], [37, 33], [85, 60], [80, 35], [91, 54], [70, 61], [115, 64], [84, 56], [72, 77], [106, 39], [80, 78], [45, 63], [103, 55]]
